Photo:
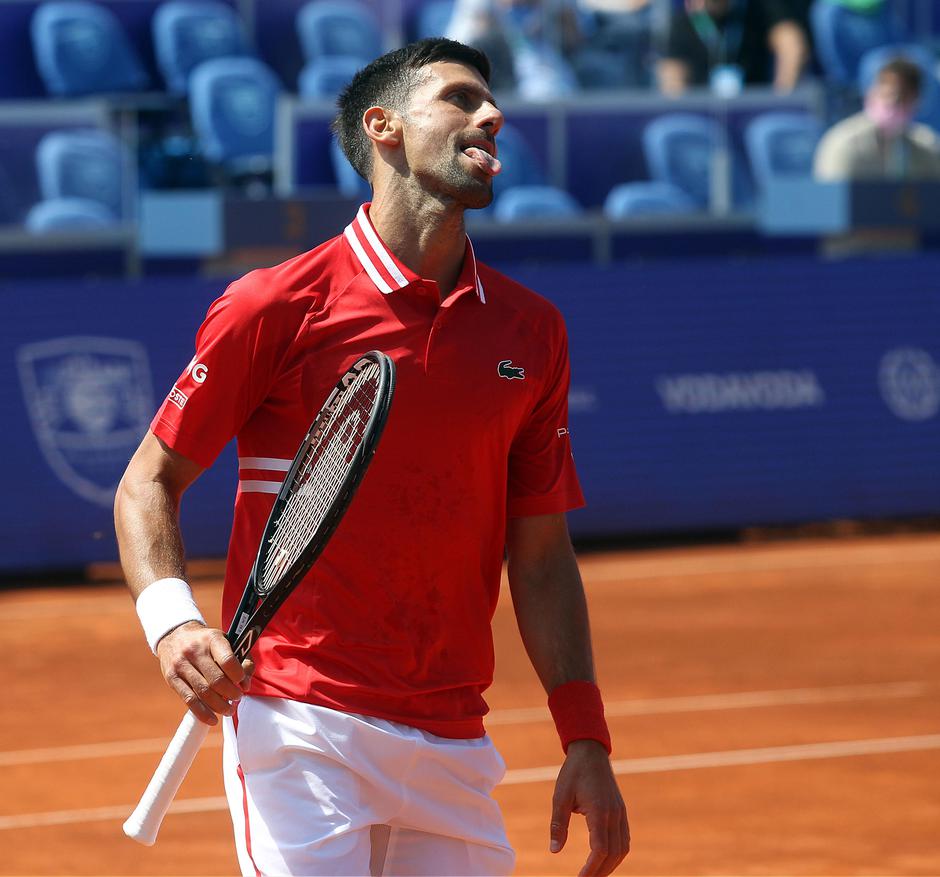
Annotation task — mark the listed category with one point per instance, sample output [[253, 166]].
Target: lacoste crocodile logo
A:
[[510, 372]]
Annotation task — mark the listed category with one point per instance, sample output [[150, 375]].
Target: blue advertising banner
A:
[[84, 367], [705, 394], [711, 394]]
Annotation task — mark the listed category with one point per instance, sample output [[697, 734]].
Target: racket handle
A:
[[144, 823]]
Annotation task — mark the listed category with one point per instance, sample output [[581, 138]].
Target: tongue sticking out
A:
[[482, 159]]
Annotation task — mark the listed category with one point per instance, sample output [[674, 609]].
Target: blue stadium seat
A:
[[232, 103], [679, 149], [80, 48], [431, 19], [646, 199], [782, 145], [188, 32], [534, 202], [874, 60], [842, 36], [325, 78], [338, 27], [348, 181], [83, 164], [68, 214]]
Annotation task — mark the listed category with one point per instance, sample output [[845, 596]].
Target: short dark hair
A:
[[909, 72], [388, 81]]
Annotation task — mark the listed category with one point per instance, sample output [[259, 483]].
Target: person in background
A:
[[741, 42], [882, 142], [532, 44], [623, 31]]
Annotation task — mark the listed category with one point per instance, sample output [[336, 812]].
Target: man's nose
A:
[[490, 118]]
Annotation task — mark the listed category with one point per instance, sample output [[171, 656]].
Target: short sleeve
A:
[[238, 349], [542, 476], [678, 40], [682, 43]]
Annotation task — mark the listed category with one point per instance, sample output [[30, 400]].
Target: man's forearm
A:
[[791, 52], [146, 514], [552, 615], [146, 520]]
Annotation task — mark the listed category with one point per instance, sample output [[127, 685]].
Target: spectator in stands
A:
[[743, 42], [623, 29], [882, 141], [531, 43]]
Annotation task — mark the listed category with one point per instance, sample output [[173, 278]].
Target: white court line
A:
[[729, 701], [107, 814], [621, 767], [80, 752], [733, 757], [647, 707]]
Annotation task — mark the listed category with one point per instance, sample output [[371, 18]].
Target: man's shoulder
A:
[[508, 294], [924, 136], [295, 284], [851, 128]]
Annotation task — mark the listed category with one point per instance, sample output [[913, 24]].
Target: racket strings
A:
[[320, 476]]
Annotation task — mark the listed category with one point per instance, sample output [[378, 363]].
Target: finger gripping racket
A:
[[317, 490]]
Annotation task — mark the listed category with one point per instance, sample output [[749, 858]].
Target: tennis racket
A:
[[316, 492]]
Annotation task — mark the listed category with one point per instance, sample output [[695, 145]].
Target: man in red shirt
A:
[[361, 747]]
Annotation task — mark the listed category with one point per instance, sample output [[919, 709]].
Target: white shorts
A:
[[314, 791]]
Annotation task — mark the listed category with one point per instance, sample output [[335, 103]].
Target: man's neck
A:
[[429, 236]]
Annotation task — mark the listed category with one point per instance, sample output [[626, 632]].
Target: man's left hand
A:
[[586, 785]]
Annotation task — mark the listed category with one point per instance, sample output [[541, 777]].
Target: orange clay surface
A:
[[774, 709]]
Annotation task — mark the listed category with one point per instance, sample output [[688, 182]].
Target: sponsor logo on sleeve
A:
[[178, 397], [198, 371]]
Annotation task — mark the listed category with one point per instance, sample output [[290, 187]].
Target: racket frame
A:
[[252, 616]]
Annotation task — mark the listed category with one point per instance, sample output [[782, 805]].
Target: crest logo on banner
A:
[[910, 383], [90, 400]]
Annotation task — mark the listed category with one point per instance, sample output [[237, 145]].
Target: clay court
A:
[[774, 709]]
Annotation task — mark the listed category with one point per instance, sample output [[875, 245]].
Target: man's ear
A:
[[382, 126]]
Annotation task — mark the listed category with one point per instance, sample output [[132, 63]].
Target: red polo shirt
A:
[[394, 619]]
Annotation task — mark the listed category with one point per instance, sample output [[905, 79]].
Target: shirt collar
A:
[[384, 270]]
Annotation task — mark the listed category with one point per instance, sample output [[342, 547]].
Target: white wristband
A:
[[164, 605]]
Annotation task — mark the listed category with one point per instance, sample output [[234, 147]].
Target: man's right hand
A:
[[199, 665]]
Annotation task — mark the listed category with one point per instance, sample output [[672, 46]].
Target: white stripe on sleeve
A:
[[259, 486], [273, 464]]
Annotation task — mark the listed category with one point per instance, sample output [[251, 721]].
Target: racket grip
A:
[[144, 823]]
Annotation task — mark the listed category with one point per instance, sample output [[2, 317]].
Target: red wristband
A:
[[578, 712]]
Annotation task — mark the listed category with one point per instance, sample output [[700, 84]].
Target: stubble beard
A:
[[458, 183]]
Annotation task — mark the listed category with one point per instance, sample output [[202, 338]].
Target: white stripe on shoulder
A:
[[274, 464], [365, 261], [379, 248], [259, 486]]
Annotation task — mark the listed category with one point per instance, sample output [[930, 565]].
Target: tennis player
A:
[[361, 747]]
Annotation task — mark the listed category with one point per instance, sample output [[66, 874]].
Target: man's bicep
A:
[[536, 541]]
